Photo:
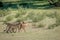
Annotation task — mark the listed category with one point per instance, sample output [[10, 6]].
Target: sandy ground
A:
[[32, 34]]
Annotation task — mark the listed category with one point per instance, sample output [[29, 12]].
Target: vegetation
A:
[[25, 11], [35, 4], [54, 2], [9, 18], [3, 13], [24, 15], [38, 14]]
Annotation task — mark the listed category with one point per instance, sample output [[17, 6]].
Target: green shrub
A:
[[3, 13], [57, 19], [9, 18], [40, 25], [52, 26], [38, 18], [17, 15], [18, 20], [35, 18], [55, 15], [52, 15]]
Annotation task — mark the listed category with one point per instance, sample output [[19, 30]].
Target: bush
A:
[[55, 15], [57, 19], [17, 15], [38, 18], [52, 26], [18, 20], [52, 15], [9, 18], [20, 13], [40, 25], [35, 18], [3, 13]]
